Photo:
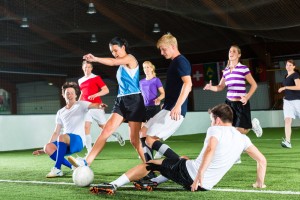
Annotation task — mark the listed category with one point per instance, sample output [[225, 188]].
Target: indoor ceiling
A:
[[60, 31]]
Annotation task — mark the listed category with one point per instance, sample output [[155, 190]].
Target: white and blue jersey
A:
[[128, 80]]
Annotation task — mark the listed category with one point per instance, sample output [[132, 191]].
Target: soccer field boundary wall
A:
[[19, 132]]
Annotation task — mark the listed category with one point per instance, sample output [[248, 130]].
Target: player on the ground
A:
[[92, 87], [71, 119], [222, 147]]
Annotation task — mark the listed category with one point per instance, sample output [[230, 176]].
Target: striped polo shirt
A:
[[236, 81]]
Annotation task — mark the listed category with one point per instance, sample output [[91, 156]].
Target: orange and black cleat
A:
[[145, 185], [104, 188]]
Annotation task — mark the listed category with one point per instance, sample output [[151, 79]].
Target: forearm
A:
[[105, 61], [185, 90], [251, 91], [261, 172], [53, 137]]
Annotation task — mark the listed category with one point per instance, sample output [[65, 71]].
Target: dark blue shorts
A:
[[75, 146]]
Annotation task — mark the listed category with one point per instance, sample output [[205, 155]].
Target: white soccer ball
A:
[[83, 176]]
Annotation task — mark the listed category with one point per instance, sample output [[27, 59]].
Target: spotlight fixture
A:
[[156, 28], [93, 38], [91, 9], [24, 23]]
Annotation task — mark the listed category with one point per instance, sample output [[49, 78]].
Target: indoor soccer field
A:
[[22, 175]]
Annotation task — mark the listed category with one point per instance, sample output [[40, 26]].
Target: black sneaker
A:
[[149, 176], [145, 184], [104, 188]]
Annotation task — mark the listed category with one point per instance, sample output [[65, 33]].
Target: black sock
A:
[[164, 149], [148, 152]]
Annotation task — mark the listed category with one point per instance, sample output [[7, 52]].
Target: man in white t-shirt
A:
[[71, 119], [222, 146]]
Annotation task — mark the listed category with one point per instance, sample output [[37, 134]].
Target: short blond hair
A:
[[151, 66], [167, 39]]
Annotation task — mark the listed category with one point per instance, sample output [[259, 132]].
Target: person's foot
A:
[[54, 173], [256, 127], [286, 144], [143, 184], [119, 138], [104, 188], [77, 162]]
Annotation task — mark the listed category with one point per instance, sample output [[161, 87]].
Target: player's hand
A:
[[244, 100], [195, 185], [38, 152], [176, 113], [103, 106], [208, 86], [92, 97], [256, 185], [89, 57], [156, 101], [281, 89]]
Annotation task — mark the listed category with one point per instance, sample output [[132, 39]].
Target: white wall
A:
[[33, 131]]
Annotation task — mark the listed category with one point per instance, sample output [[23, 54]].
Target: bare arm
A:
[[185, 90], [104, 90], [254, 153], [207, 157], [216, 88], [161, 96], [295, 87], [127, 60], [252, 82]]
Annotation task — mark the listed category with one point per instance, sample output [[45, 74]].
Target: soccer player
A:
[[92, 87], [129, 105], [222, 146], [291, 101], [178, 86], [153, 93], [71, 119]]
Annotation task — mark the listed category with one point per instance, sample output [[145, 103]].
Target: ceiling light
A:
[[24, 23], [93, 39], [156, 28], [91, 9]]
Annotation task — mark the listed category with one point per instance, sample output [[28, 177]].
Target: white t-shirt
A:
[[231, 143], [72, 120]]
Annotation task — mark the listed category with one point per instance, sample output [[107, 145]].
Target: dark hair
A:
[[120, 42], [70, 85], [223, 111], [294, 64]]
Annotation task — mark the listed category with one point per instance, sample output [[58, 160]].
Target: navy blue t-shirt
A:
[[290, 81], [178, 68]]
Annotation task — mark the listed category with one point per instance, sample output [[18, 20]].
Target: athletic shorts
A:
[[175, 170], [151, 111], [241, 114], [162, 126], [130, 107], [96, 114], [291, 108], [75, 146]]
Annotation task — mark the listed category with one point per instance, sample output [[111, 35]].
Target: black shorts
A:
[[131, 107], [241, 114], [175, 170], [151, 111]]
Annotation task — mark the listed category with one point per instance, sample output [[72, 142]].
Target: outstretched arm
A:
[[254, 153], [207, 157], [128, 60], [216, 88]]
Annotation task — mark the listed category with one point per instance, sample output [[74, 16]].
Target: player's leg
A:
[[148, 152], [112, 124], [134, 136]]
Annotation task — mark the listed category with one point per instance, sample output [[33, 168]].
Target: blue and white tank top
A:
[[128, 80]]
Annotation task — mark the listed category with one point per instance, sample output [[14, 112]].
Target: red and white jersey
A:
[[90, 85]]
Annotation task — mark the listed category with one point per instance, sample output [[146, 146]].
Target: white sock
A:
[[160, 179], [88, 142], [122, 180]]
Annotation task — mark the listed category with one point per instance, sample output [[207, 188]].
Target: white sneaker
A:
[[54, 173], [286, 144], [256, 127], [158, 155], [119, 138], [77, 162]]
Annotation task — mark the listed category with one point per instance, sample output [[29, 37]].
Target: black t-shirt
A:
[[178, 68], [290, 81]]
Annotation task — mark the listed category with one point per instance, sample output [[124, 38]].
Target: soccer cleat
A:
[[145, 184], [54, 173], [119, 138], [158, 155], [77, 162], [104, 188], [256, 127], [286, 144]]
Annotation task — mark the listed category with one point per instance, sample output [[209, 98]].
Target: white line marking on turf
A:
[[127, 186]]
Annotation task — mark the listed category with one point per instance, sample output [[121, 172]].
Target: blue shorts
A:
[[75, 146]]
